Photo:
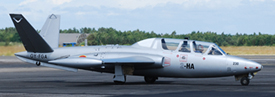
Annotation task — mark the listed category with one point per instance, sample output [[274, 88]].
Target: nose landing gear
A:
[[244, 79]]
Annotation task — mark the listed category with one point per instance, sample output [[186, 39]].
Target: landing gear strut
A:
[[150, 80], [119, 77]]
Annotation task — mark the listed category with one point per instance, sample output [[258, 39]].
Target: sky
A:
[[160, 16]]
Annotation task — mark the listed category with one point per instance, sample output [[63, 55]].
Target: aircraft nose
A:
[[253, 66]]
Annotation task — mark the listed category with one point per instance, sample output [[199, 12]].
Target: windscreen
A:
[[220, 49]]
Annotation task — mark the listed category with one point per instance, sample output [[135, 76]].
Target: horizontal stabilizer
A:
[[47, 65]]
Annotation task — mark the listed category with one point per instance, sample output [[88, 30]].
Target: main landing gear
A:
[[149, 79], [119, 82], [119, 77]]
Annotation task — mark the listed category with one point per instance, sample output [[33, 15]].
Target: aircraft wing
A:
[[134, 59], [87, 62]]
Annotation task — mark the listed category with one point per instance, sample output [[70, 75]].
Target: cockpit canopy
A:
[[181, 45]]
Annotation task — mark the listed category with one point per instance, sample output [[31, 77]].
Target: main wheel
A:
[[245, 81], [150, 80]]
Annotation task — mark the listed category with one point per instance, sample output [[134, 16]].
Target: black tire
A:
[[150, 80], [38, 63], [245, 81]]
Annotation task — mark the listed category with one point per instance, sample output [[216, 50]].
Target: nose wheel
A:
[[245, 78], [245, 81]]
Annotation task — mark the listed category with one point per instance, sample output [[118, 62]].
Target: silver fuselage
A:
[[176, 63]]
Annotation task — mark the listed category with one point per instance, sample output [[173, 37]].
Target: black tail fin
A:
[[32, 41]]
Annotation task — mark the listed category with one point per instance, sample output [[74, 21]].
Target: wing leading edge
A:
[[78, 62]]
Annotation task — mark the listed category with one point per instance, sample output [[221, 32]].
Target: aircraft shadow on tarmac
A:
[[89, 84], [204, 94], [165, 83]]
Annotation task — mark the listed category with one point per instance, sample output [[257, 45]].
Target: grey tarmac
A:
[[27, 80]]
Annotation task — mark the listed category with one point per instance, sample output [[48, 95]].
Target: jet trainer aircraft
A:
[[151, 58]]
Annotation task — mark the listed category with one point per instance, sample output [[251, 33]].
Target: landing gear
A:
[[245, 78], [120, 82], [245, 81], [150, 80], [119, 77], [38, 63]]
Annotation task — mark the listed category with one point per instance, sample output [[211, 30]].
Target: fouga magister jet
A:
[[151, 58]]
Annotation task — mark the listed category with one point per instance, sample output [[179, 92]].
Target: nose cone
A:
[[240, 65], [253, 66]]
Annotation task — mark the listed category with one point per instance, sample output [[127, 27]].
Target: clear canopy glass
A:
[[197, 46]]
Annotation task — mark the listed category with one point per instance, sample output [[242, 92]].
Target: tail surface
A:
[[50, 30], [32, 41]]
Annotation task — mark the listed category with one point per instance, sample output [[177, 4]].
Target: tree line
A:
[[103, 36], [8, 35]]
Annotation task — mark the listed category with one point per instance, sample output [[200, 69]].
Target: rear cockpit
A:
[[181, 45]]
